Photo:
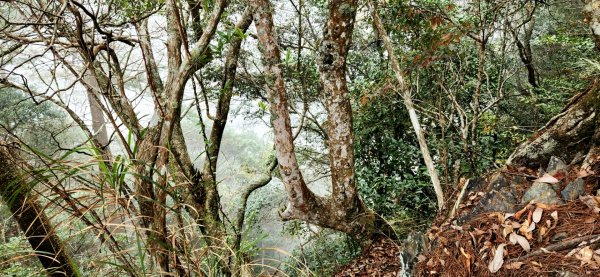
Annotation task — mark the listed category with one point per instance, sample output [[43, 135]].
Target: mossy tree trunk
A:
[[30, 216], [572, 134]]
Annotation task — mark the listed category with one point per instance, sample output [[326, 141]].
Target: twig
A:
[[563, 245], [459, 199]]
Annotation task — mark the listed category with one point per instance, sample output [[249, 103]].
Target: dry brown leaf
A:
[[520, 213], [522, 241], [515, 265], [585, 255], [486, 245], [478, 232], [524, 227], [585, 171], [537, 214], [507, 215], [508, 229], [467, 259], [513, 238], [543, 206], [498, 260], [531, 227], [547, 178], [543, 231], [593, 202]]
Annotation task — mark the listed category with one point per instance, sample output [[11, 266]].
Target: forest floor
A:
[[381, 259], [561, 238]]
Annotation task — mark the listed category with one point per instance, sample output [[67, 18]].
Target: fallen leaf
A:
[[543, 206], [513, 238], [478, 232], [531, 227], [498, 259], [547, 178], [515, 265], [586, 170], [593, 202], [507, 215], [520, 213], [522, 241], [508, 229], [524, 227], [457, 228], [537, 214], [468, 259], [543, 231], [554, 215], [585, 255]]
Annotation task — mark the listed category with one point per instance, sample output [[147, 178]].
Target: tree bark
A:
[[344, 210], [591, 13], [571, 133], [31, 218]]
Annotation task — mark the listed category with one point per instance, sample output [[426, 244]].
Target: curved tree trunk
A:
[[32, 220], [571, 134], [344, 210]]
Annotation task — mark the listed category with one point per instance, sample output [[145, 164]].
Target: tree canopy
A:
[[163, 137]]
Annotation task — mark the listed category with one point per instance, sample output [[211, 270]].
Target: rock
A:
[[498, 181], [541, 193], [500, 201], [413, 245], [518, 180], [493, 201], [475, 184], [556, 165], [573, 190]]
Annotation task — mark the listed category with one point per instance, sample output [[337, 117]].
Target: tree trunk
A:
[[344, 210], [410, 107], [14, 190], [591, 13], [572, 133]]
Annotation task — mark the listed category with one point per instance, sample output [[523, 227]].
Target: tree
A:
[[408, 102], [92, 43], [578, 122], [343, 210], [30, 215]]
